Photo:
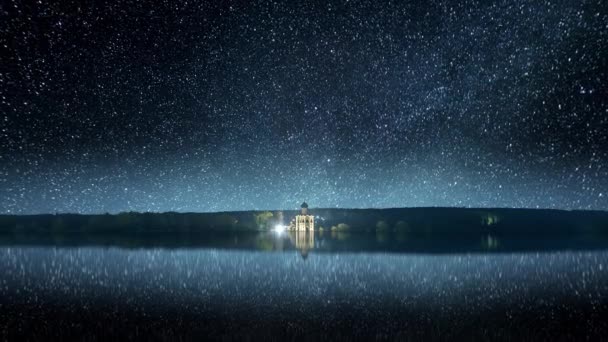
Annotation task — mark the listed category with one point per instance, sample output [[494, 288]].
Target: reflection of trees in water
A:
[[269, 242], [340, 235], [264, 243], [490, 242]]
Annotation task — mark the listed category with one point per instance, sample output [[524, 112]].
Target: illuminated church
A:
[[303, 227], [303, 222]]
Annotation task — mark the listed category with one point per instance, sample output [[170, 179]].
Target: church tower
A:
[[305, 222]]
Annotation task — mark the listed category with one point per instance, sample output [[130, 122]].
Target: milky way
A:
[[217, 105]]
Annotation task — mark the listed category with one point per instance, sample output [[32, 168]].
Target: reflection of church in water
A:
[[302, 231]]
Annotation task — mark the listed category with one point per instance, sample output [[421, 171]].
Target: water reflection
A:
[[303, 240], [208, 293], [321, 242], [490, 242]]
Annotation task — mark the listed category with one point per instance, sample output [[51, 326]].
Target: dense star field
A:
[[238, 105]]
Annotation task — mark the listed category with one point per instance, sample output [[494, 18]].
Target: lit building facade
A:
[[304, 222]]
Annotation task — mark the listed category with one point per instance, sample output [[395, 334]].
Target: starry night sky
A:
[[240, 105]]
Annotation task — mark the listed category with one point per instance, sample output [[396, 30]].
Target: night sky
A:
[[241, 105]]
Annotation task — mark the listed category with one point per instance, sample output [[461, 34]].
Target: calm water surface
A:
[[295, 289]]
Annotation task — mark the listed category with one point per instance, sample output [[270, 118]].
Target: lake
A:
[[281, 286]]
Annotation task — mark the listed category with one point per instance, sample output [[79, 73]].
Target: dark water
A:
[[306, 287]]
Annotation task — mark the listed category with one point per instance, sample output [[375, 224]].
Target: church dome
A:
[[304, 205]]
